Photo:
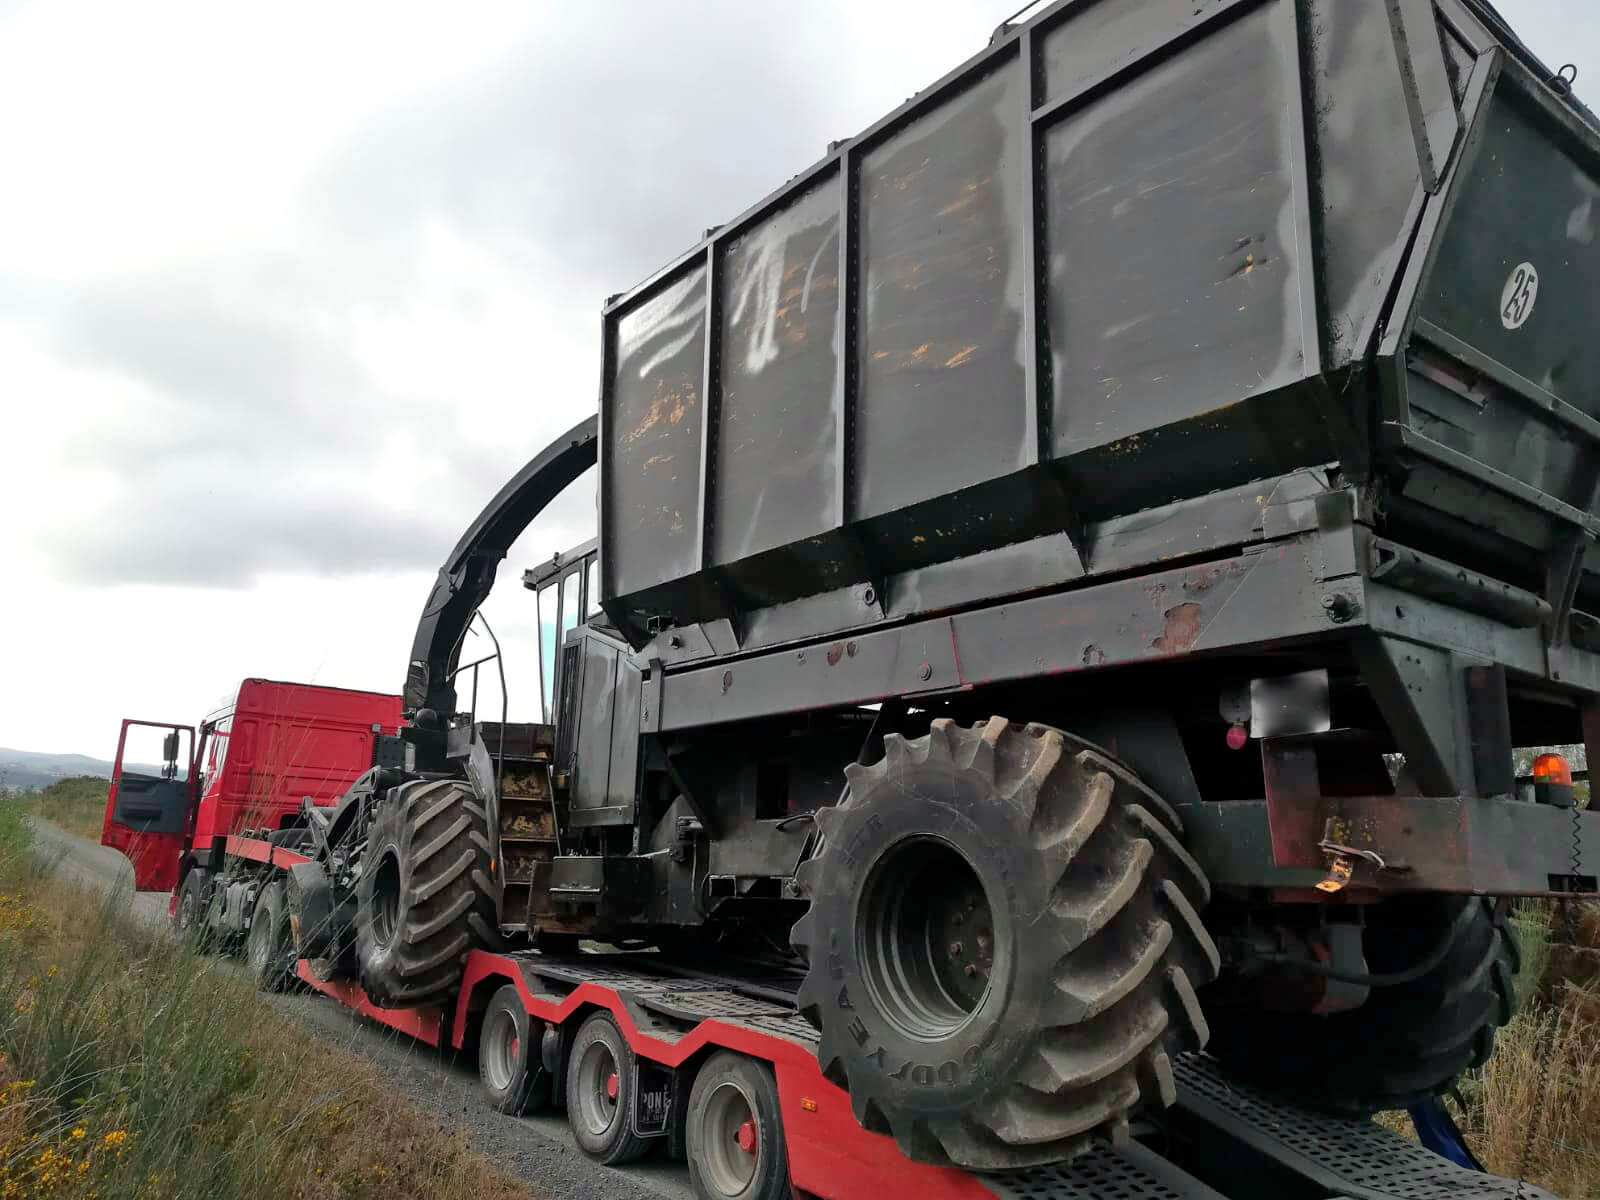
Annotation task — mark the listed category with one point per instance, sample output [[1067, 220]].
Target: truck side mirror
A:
[[169, 749]]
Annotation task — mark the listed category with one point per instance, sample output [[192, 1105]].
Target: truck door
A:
[[148, 805]]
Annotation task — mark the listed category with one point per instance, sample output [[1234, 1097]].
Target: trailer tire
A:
[[269, 949], [602, 1081], [426, 896], [734, 1131], [509, 1062], [1407, 1042], [1069, 907]]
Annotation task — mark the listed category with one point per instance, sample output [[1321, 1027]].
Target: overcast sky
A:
[[288, 291]]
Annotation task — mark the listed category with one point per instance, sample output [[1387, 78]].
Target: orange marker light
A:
[[1552, 768], [808, 1104]]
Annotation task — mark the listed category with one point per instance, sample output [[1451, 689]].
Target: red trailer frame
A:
[[1225, 1132]]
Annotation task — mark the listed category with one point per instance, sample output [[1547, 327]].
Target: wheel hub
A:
[[746, 1137], [731, 1146], [925, 934]]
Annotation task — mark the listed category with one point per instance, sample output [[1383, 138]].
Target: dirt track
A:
[[538, 1150]]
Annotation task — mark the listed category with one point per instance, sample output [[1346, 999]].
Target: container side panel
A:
[[941, 398], [653, 479], [1172, 239], [1492, 425], [1365, 164], [1518, 268], [1099, 39], [776, 467]]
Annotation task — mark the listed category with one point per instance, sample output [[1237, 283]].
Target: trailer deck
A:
[[1222, 1140]]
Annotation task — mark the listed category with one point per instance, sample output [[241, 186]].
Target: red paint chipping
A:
[[1182, 628]]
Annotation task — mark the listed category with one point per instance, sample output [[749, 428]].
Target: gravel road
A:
[[538, 1150]]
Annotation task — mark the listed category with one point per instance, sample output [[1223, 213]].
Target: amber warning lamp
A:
[[1552, 781]]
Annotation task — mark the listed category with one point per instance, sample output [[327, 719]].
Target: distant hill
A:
[[28, 770]]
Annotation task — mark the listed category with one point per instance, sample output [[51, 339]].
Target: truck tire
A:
[[734, 1131], [602, 1080], [426, 895], [1004, 944], [509, 1064], [269, 949], [1407, 1042], [189, 917]]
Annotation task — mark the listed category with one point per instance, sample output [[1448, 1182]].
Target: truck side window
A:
[[547, 647]]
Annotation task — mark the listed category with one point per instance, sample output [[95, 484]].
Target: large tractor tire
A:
[[1408, 1041], [1004, 945], [427, 893]]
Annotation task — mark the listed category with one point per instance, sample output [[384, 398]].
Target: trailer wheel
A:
[[1407, 1042], [269, 950], [426, 895], [602, 1079], [509, 1065], [734, 1130], [1004, 945]]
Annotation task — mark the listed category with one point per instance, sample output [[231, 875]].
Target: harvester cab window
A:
[[591, 589], [546, 599], [569, 601]]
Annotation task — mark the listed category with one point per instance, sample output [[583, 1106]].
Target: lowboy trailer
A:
[[714, 1065]]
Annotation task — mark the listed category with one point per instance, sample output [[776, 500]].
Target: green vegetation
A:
[[131, 1067], [1536, 1105], [78, 805]]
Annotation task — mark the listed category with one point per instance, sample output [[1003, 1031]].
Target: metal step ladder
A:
[[527, 817]]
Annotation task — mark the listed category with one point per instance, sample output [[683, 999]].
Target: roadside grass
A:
[[1534, 1108], [132, 1067], [78, 805]]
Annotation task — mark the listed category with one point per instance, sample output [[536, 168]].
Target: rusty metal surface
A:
[[1078, 278], [1175, 194], [1444, 844], [941, 404], [650, 462], [776, 467], [1268, 595]]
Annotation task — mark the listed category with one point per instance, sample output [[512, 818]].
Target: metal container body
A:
[[1134, 253]]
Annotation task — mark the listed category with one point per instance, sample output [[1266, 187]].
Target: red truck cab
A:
[[247, 766]]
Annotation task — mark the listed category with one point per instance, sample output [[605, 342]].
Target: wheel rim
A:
[[501, 1049], [598, 1088], [386, 901], [925, 938], [730, 1146], [186, 906]]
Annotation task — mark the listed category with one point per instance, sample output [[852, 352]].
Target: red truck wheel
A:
[[734, 1130], [269, 950], [602, 1080], [509, 1066], [189, 917]]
